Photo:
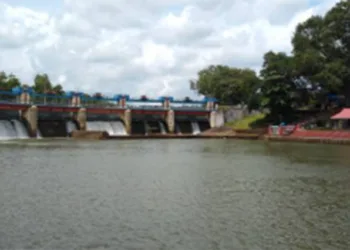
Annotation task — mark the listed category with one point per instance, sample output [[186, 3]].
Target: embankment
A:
[[216, 133], [90, 135], [344, 141]]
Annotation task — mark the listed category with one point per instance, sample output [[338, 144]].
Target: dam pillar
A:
[[166, 103], [76, 100], [122, 101], [31, 116], [126, 117], [210, 105], [81, 118], [24, 98], [170, 121], [212, 119], [170, 115]]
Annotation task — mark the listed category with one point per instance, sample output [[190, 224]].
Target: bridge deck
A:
[[104, 110]]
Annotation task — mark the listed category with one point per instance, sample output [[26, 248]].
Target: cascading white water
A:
[[111, 127], [195, 128], [14, 129], [6, 130], [162, 127], [177, 129], [70, 125], [118, 128], [38, 134], [20, 129]]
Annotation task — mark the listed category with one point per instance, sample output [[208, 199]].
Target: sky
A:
[[143, 47]]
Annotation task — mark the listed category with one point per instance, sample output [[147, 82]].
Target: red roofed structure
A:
[[342, 115]]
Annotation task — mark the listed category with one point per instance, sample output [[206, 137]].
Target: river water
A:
[[174, 194]]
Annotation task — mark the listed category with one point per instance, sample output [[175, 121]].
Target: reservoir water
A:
[[173, 194]]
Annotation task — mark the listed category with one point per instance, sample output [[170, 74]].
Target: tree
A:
[[3, 79], [279, 88], [228, 85], [42, 83], [7, 82], [321, 46], [13, 81], [58, 89]]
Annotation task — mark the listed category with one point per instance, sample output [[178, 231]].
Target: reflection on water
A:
[[176, 194]]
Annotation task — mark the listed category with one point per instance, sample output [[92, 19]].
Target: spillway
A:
[[55, 128], [13, 129], [111, 127], [195, 128], [71, 126], [191, 127], [163, 129]]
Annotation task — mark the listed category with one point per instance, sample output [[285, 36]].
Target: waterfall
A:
[[177, 129], [12, 130], [118, 128], [71, 126], [195, 128], [20, 129], [111, 127], [38, 134], [162, 127]]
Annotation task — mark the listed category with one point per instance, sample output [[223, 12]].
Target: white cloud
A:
[[150, 47]]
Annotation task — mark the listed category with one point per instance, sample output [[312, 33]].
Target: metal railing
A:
[[50, 100], [101, 102], [8, 97]]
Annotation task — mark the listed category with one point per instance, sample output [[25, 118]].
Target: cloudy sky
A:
[[150, 47]]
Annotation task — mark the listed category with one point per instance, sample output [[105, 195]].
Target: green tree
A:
[[13, 81], [321, 46], [7, 82], [42, 83], [3, 80], [228, 85], [279, 88], [58, 89]]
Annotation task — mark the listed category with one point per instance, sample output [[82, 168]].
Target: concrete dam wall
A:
[[29, 115], [22, 125]]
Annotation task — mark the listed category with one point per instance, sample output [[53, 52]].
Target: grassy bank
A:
[[249, 122]]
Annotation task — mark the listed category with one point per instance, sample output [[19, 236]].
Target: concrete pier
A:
[[126, 117], [212, 119], [81, 118], [31, 116], [170, 121]]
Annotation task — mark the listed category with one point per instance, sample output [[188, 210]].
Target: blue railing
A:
[[52, 99]]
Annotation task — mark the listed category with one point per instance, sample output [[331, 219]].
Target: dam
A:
[[26, 114]]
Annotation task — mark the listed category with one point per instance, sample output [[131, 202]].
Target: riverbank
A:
[[345, 141], [216, 133], [97, 135]]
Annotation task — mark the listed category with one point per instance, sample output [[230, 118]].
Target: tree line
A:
[[41, 84], [317, 69]]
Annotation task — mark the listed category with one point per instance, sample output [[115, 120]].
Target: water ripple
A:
[[207, 194]]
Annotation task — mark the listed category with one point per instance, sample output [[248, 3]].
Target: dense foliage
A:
[[318, 66], [42, 83]]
